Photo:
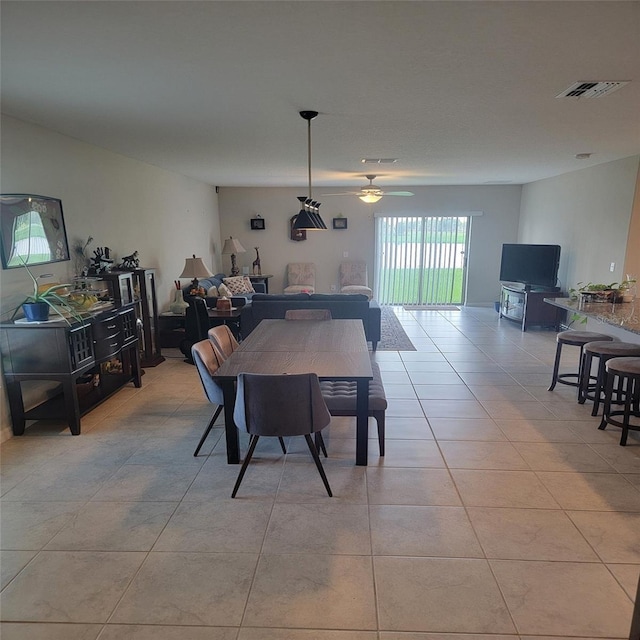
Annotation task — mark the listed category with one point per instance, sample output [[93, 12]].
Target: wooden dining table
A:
[[332, 349]]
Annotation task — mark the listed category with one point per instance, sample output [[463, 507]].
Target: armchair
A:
[[301, 277], [353, 278]]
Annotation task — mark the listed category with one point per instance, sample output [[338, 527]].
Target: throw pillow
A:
[[239, 285], [223, 291], [213, 292]]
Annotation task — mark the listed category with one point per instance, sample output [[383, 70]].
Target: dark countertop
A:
[[625, 315]]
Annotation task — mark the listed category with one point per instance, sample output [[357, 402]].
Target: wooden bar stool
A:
[[627, 371], [574, 339], [604, 351]]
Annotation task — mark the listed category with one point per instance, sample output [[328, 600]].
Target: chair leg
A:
[[252, 445], [207, 430], [556, 367], [284, 449], [316, 459], [379, 416], [319, 442]]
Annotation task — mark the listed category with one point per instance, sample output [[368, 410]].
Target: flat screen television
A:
[[534, 265]]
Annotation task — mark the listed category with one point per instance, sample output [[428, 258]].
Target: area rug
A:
[[432, 307], [393, 336]]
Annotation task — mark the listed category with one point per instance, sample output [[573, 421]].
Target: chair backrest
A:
[[207, 363], [301, 273], [307, 314], [224, 340], [280, 405], [353, 273], [196, 320]]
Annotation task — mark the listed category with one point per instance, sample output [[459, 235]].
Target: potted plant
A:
[[45, 298], [596, 292], [593, 292]]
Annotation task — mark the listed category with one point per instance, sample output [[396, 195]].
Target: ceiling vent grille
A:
[[379, 160], [591, 89]]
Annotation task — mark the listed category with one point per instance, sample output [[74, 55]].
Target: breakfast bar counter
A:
[[623, 315]]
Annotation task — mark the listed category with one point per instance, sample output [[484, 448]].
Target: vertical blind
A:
[[420, 260]]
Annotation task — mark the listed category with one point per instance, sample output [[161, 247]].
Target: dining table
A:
[[332, 349]]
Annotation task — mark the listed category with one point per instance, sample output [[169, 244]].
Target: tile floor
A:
[[500, 511]]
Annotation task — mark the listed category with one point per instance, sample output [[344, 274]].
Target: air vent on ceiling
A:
[[379, 160], [591, 89]]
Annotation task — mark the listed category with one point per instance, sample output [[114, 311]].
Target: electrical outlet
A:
[[345, 254], [333, 287], [612, 268]]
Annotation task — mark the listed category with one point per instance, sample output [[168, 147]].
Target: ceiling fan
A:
[[370, 193]]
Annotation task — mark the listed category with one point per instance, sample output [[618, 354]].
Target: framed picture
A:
[[339, 223], [257, 224], [32, 229]]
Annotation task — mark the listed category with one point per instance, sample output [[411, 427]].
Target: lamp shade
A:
[[195, 268], [308, 217], [231, 245], [370, 198]]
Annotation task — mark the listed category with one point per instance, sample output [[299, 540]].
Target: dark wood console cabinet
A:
[[144, 281], [528, 308], [91, 360]]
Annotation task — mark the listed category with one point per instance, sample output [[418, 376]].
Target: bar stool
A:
[[604, 351], [627, 370], [574, 339]]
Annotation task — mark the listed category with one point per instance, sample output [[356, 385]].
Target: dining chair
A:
[[223, 339], [196, 323], [278, 406], [207, 360], [308, 314]]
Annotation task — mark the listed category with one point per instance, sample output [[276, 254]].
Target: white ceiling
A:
[[459, 92]]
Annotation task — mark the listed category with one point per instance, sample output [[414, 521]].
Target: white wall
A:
[[124, 204], [587, 213], [497, 225]]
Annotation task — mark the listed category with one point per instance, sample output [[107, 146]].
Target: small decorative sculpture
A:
[[129, 262], [256, 264], [100, 263]]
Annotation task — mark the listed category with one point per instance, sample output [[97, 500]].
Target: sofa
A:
[[274, 306], [238, 300]]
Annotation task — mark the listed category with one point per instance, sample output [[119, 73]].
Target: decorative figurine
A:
[[129, 262], [256, 264], [100, 263]]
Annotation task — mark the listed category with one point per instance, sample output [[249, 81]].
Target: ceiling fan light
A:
[[370, 198]]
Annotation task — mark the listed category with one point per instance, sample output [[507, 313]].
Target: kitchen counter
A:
[[625, 315]]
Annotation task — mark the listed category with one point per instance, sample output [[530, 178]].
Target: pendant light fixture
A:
[[308, 217]]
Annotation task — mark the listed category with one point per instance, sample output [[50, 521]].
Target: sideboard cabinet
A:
[[90, 359], [528, 308]]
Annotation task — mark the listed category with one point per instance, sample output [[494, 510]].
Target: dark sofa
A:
[[273, 306]]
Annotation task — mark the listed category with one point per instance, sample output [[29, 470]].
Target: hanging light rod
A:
[[309, 215]]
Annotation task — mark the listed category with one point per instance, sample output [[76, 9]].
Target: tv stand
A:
[[526, 306]]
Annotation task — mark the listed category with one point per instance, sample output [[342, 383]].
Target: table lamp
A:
[[195, 268], [231, 247]]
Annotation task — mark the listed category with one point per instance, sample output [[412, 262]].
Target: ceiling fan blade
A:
[[344, 193], [398, 193]]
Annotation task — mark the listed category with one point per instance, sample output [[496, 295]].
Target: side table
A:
[[261, 279], [170, 329]]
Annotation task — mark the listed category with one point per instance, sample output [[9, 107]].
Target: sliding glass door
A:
[[421, 260]]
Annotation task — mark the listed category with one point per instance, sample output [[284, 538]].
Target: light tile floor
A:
[[499, 512]]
